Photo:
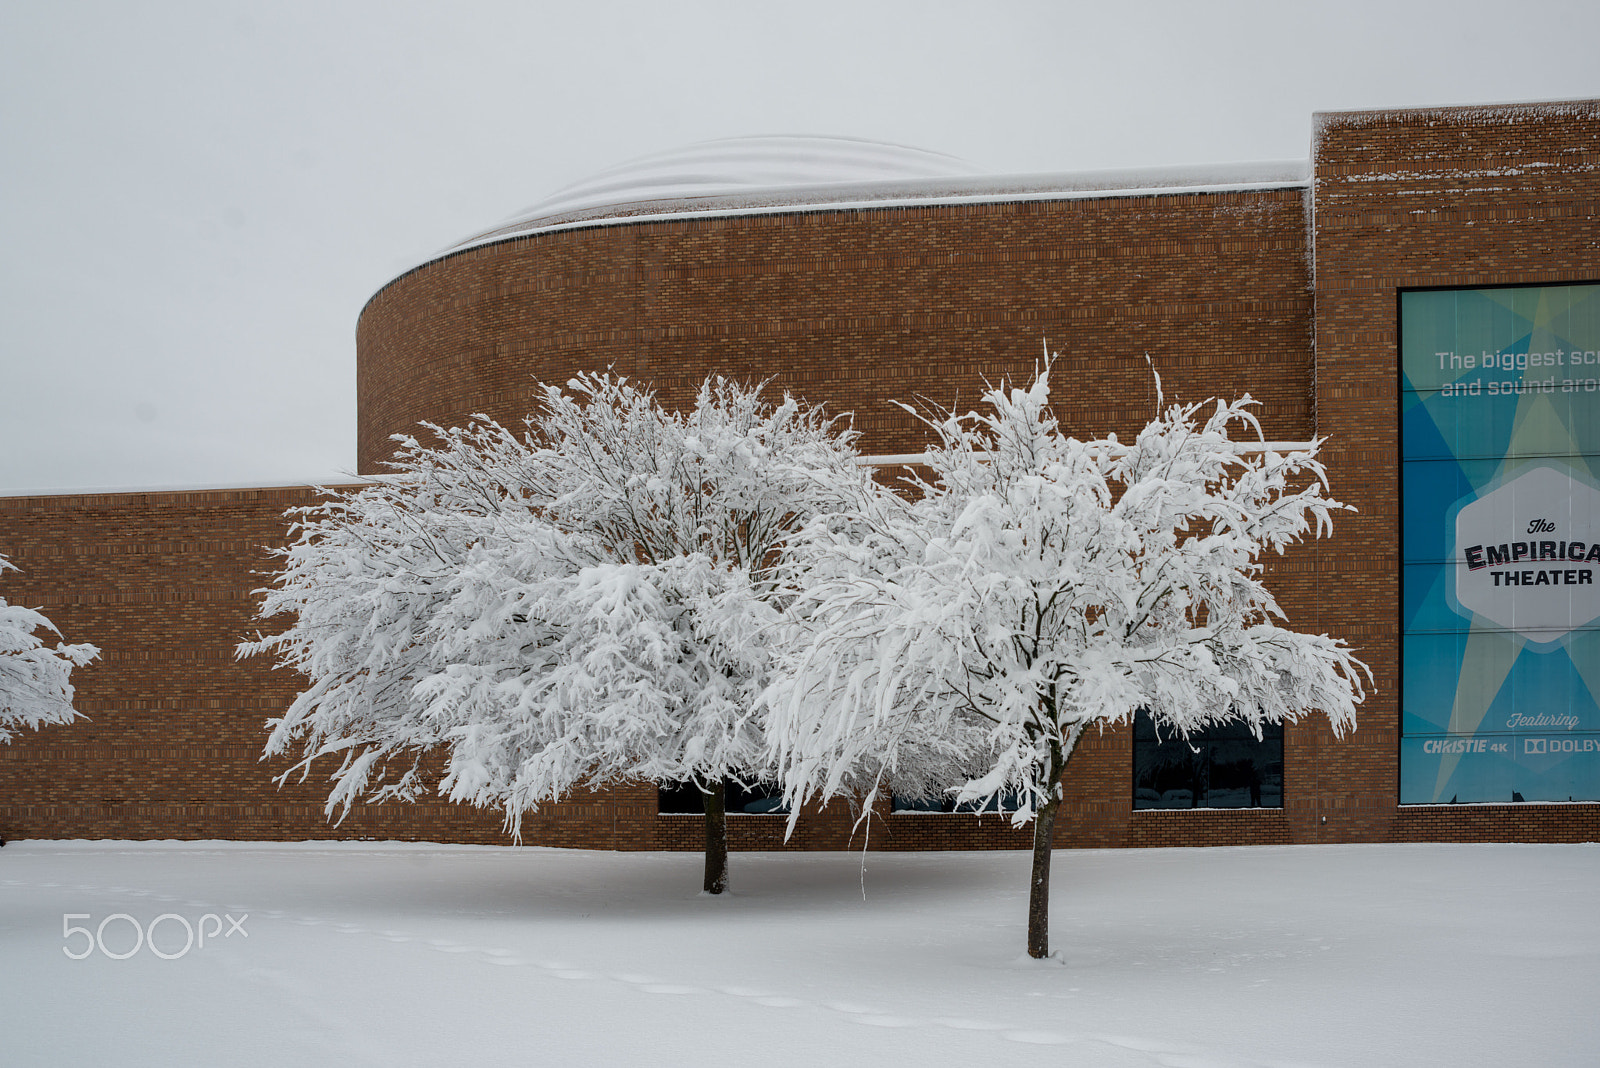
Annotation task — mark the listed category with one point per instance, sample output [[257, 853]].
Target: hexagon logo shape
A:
[[1528, 555]]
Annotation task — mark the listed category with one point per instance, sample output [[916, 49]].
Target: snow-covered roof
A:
[[761, 175], [133, 489], [735, 166], [1507, 113]]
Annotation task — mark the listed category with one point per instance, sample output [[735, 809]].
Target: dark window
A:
[[1223, 766], [1007, 801], [752, 800]]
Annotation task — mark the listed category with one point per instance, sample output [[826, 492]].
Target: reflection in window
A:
[[1222, 766], [752, 800]]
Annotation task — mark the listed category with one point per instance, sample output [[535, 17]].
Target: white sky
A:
[[197, 198]]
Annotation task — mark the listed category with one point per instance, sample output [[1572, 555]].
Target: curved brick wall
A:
[[854, 308]]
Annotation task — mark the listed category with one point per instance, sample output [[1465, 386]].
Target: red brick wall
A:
[[854, 309], [850, 309], [171, 742], [1460, 196], [170, 748]]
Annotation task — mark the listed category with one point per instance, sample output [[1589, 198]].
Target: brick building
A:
[[903, 277]]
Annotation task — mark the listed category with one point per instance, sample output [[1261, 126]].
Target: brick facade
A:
[[1286, 293], [854, 309], [1462, 196]]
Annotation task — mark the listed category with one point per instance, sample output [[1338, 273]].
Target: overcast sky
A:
[[197, 198]]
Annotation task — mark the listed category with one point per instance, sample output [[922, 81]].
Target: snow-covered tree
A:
[[1037, 586], [35, 686], [588, 603]]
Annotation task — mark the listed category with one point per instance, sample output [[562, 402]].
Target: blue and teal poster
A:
[[1500, 520]]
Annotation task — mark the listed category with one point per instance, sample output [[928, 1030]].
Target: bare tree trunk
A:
[[1044, 826], [716, 802]]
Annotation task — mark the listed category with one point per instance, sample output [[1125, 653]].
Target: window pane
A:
[[680, 797], [755, 799], [935, 803], [1008, 801], [1222, 766]]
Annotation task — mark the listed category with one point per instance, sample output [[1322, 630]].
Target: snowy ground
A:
[[393, 954]]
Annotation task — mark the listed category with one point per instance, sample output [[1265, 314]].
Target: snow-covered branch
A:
[[35, 678]]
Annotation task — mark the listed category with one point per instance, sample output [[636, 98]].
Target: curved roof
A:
[[755, 175], [740, 164], [736, 168]]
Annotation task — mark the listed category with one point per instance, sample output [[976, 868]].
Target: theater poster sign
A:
[[1500, 522]]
